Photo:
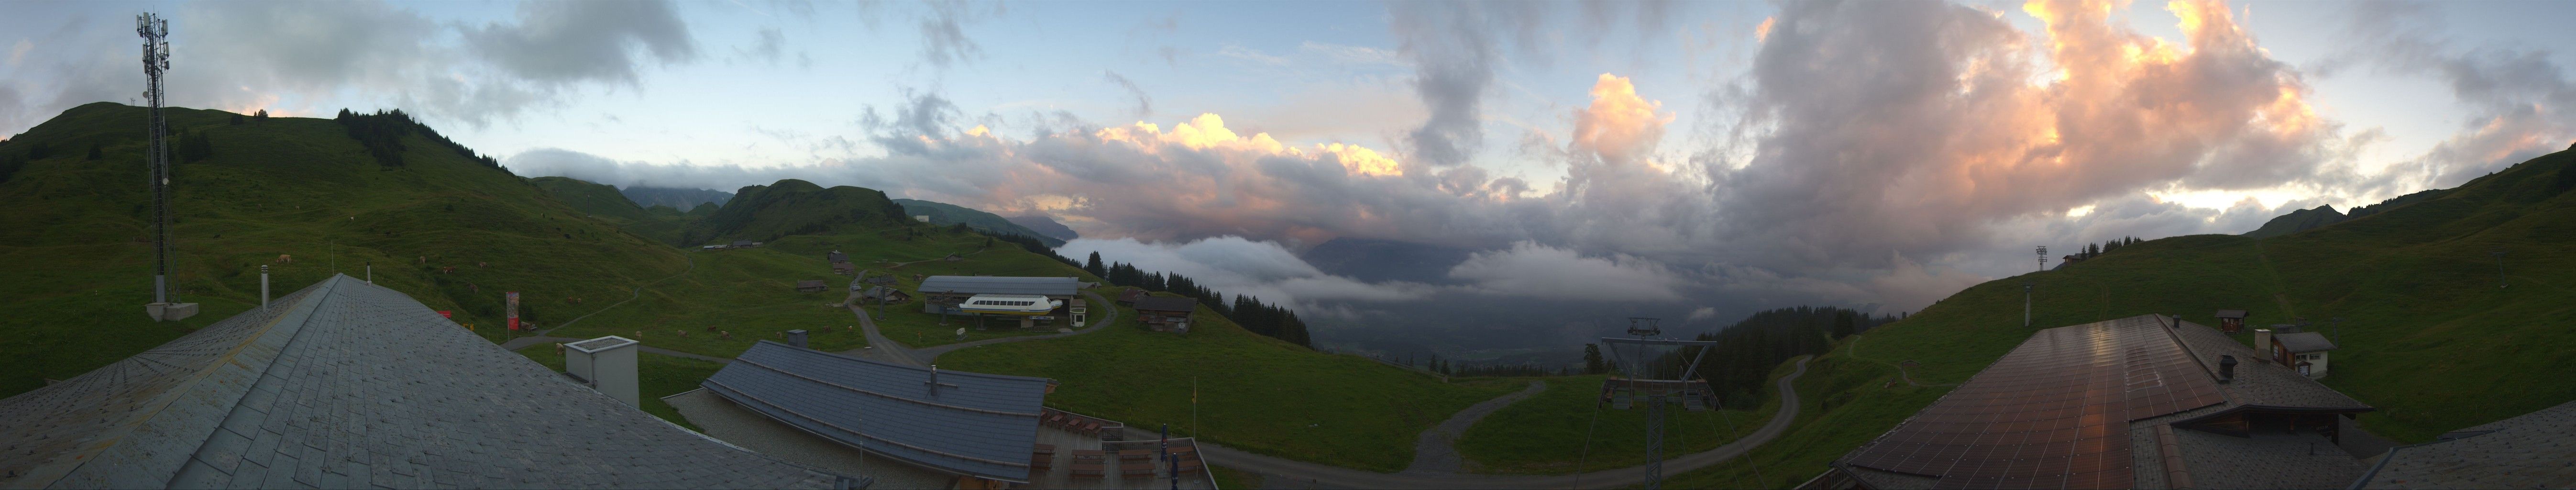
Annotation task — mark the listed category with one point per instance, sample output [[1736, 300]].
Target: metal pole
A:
[[1655, 442], [2025, 305], [263, 288]]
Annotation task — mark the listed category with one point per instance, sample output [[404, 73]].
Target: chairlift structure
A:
[[1643, 384]]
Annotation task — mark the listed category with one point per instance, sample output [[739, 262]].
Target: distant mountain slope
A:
[[284, 187], [677, 198], [2309, 219], [941, 213], [1385, 260], [791, 207], [1047, 226], [597, 199], [2427, 335]]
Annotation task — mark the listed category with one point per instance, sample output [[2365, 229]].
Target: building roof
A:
[[1166, 303], [2231, 314], [2527, 451], [2304, 342], [974, 424], [837, 256], [2080, 406], [350, 385], [1045, 286], [742, 243]]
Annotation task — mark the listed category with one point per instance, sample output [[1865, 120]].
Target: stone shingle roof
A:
[[2303, 342], [1046, 286], [350, 385], [975, 424], [2534, 450], [1166, 303], [2258, 382]]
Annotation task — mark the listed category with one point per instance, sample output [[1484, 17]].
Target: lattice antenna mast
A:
[[1694, 394], [156, 59], [2043, 257]]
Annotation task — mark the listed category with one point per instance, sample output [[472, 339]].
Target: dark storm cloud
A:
[[568, 42]]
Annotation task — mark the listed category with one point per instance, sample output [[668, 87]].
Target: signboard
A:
[[448, 314], [513, 308]]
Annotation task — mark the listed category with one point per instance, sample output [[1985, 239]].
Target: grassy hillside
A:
[[599, 200], [2428, 337], [941, 213], [1531, 436], [1253, 392], [69, 231]]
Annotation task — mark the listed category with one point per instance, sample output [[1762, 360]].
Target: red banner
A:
[[448, 314], [514, 309]]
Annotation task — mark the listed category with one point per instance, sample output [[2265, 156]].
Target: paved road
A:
[[523, 342], [1300, 472], [1437, 451]]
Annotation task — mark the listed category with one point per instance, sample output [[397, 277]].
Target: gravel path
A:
[[1437, 451]]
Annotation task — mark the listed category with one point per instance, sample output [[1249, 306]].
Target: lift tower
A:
[[1645, 381], [165, 304]]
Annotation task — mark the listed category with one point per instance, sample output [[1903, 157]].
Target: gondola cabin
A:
[[1009, 304]]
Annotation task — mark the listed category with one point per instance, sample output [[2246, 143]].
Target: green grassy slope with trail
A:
[[1253, 392], [2428, 337], [71, 231]]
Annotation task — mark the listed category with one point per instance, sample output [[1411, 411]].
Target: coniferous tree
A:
[[1093, 266], [1592, 359]]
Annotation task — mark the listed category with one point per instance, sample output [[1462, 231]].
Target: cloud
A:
[[1252, 55], [1703, 313], [1144, 104], [943, 33], [2519, 99], [769, 47], [568, 42], [1539, 271], [1455, 49], [1235, 265]]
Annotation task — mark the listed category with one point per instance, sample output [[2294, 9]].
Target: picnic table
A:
[[1136, 455], [1138, 466], [1088, 463]]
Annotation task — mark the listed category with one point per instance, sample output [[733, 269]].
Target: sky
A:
[[1693, 160]]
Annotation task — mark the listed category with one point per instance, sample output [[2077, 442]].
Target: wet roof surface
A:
[[2053, 413], [967, 423], [1047, 286], [350, 385]]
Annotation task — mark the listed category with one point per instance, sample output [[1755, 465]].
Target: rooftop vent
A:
[[2226, 368], [606, 364], [796, 337]]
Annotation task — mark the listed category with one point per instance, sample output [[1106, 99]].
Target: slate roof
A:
[[1166, 303], [1045, 286], [974, 424], [2533, 450], [2260, 383], [345, 384], [2304, 342], [2267, 459]]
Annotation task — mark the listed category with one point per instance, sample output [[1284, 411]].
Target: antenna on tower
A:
[[165, 304], [2043, 257]]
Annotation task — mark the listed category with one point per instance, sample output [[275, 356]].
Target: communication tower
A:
[[2043, 257], [165, 304]]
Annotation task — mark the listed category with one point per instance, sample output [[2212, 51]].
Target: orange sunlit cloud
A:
[[1208, 132], [1619, 125]]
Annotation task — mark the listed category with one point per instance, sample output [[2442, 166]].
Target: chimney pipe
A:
[[2263, 342], [934, 376], [2226, 369], [796, 337]]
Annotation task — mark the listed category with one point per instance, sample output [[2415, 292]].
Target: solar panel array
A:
[[2053, 413]]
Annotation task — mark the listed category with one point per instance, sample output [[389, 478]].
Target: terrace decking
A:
[[1138, 467]]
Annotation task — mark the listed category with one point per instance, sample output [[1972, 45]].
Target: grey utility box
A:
[[796, 337], [607, 364]]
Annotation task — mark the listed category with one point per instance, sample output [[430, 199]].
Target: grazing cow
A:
[[424, 260], [285, 259], [684, 333], [447, 270], [711, 328], [479, 265]]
